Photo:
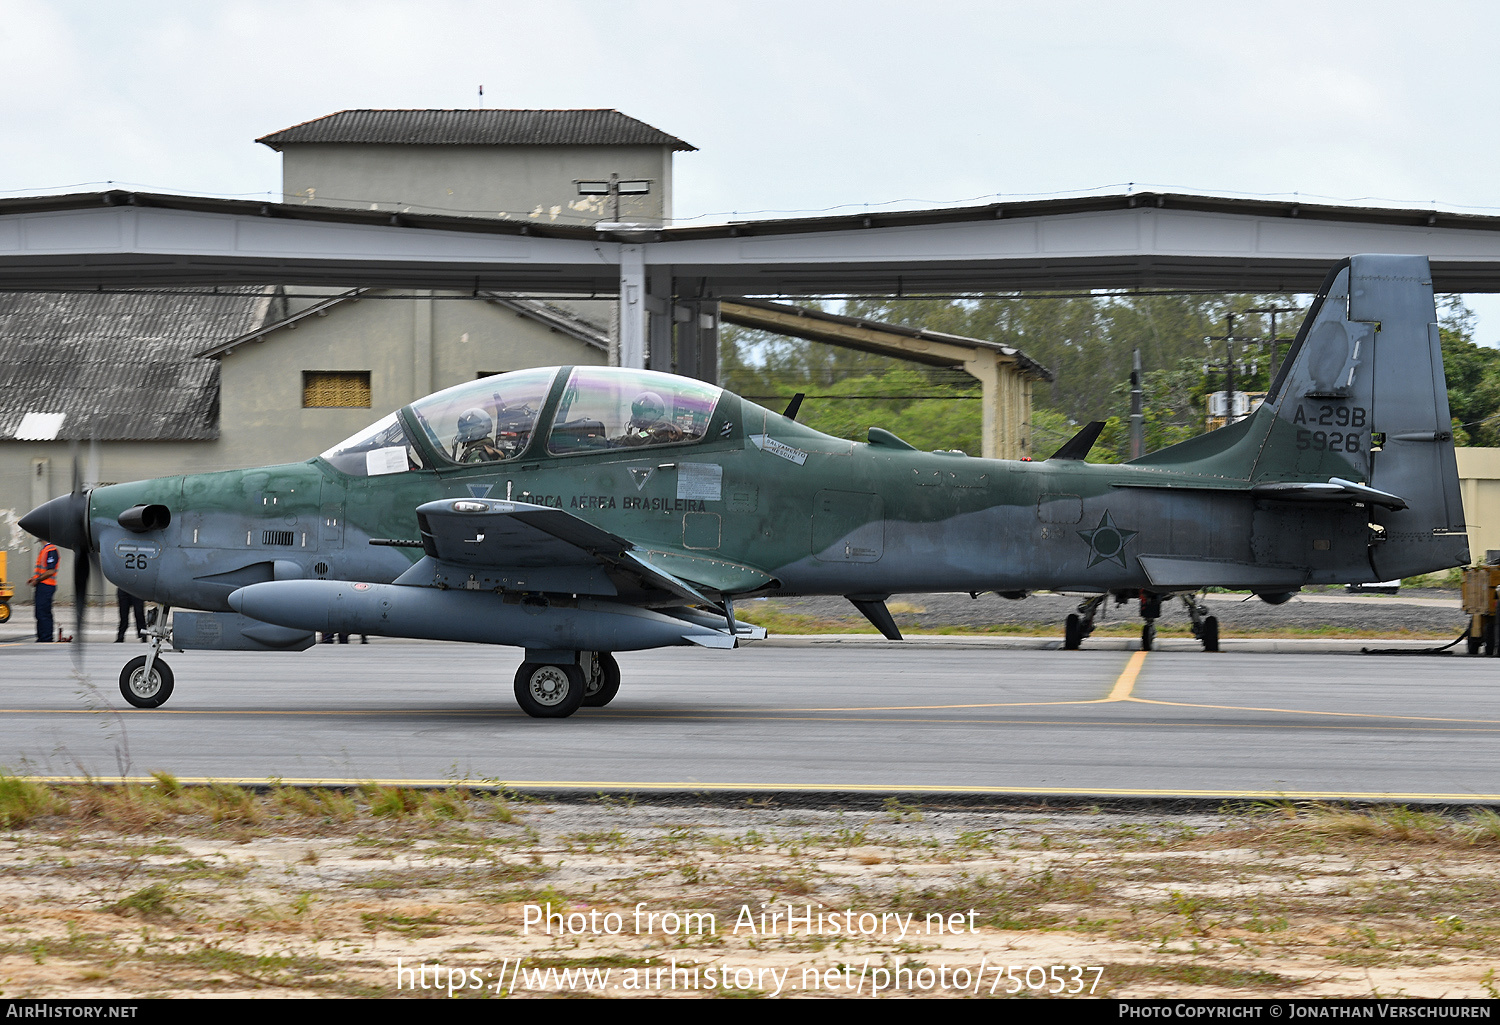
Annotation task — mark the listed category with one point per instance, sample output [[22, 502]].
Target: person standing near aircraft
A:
[[44, 579], [128, 603]]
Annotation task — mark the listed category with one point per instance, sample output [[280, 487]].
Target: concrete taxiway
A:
[[975, 715]]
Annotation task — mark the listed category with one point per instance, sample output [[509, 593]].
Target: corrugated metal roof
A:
[[120, 366], [477, 128]]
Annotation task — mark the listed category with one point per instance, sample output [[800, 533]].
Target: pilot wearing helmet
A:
[[648, 422], [473, 443]]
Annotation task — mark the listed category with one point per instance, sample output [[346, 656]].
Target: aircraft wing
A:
[[485, 544], [483, 532]]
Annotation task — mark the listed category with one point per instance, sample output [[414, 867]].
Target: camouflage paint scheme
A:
[[1360, 402]]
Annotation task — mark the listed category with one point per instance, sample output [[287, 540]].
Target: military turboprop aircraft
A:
[[580, 511]]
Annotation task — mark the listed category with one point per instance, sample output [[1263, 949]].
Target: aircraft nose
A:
[[62, 521]]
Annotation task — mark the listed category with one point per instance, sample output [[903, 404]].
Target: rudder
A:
[[1362, 397]]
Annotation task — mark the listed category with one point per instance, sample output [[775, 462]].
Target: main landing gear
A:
[[1205, 627], [1080, 625], [556, 689], [146, 681]]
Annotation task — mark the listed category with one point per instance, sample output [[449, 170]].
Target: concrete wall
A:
[[1479, 476], [487, 181], [410, 347]]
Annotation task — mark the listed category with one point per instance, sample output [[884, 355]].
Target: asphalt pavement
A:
[[965, 715]]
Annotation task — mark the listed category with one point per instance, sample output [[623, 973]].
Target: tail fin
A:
[[1362, 398]]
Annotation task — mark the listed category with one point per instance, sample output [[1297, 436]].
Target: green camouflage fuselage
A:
[[802, 513], [1345, 474]]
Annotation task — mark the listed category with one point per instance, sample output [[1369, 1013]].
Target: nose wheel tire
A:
[[546, 691], [1148, 636], [1072, 633], [143, 691], [604, 683]]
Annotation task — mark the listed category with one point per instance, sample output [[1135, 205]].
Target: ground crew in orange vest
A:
[[45, 582]]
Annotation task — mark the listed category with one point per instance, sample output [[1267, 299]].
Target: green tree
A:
[[1087, 342], [1473, 377]]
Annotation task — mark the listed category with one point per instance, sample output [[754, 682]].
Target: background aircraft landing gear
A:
[[1077, 627], [146, 681], [548, 691], [603, 681], [1205, 627]]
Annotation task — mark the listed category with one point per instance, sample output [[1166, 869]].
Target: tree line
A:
[[1087, 341]]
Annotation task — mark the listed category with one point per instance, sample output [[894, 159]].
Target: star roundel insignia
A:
[[1107, 542]]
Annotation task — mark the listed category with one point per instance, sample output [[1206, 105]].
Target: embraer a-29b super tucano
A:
[[580, 511]]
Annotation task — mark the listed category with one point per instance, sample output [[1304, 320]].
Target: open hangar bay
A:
[[934, 715]]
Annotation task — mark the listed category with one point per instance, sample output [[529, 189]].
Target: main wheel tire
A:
[[1148, 636], [1208, 633], [603, 683], [142, 692], [1072, 632], [547, 691]]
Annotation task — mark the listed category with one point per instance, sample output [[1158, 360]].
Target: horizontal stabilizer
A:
[[1336, 490], [1077, 447]]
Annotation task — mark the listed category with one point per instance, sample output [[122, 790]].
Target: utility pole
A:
[[1137, 409], [1271, 340], [1229, 338]]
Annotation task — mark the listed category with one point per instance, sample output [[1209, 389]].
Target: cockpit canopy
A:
[[494, 419], [605, 408], [485, 421]]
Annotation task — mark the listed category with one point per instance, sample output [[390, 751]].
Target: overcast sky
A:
[[795, 106]]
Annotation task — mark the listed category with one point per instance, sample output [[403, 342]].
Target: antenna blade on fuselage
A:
[[1077, 447]]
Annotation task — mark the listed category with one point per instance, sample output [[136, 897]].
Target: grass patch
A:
[[22, 800], [152, 901], [1000, 903]]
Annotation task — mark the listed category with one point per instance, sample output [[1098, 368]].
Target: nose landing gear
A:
[[146, 681]]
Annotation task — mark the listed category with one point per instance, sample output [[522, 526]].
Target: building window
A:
[[335, 388]]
